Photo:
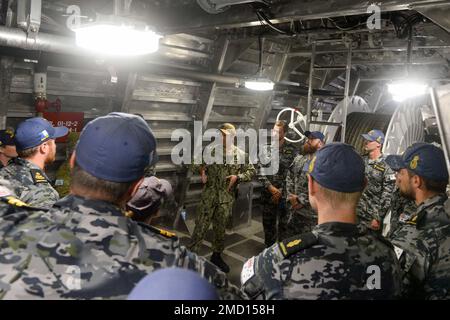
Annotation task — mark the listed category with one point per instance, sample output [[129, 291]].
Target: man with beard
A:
[[422, 243], [7, 147], [301, 217], [400, 212], [376, 198], [36, 147], [273, 196]]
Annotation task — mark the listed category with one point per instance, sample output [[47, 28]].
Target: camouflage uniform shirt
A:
[[30, 183], [296, 179], [216, 201], [287, 153], [274, 173], [303, 219], [217, 184], [86, 249], [423, 247], [334, 261], [376, 198]]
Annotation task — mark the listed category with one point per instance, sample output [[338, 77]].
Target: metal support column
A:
[[310, 88], [346, 91]]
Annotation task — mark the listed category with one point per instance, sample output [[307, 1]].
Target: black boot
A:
[[217, 260]]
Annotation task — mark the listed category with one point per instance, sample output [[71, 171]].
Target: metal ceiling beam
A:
[[400, 63], [307, 53], [236, 50], [440, 15], [195, 19]]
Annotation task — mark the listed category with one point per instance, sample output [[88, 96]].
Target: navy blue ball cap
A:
[[337, 166], [35, 131], [116, 147], [315, 135], [424, 159], [374, 135], [7, 137], [173, 284]]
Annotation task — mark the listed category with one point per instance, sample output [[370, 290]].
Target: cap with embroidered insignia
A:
[[374, 135], [7, 137], [424, 159], [35, 131]]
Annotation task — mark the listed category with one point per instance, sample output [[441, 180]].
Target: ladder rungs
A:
[[329, 40], [337, 124], [335, 85], [328, 95], [330, 68]]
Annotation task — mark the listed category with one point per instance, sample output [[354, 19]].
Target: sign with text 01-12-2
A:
[[71, 120]]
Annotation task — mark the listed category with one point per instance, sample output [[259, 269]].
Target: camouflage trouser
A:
[[211, 212], [273, 218], [299, 221]]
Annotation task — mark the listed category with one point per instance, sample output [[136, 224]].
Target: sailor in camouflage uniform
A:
[[273, 196], [301, 217], [375, 200], [7, 147], [422, 243], [338, 259], [85, 247], [35, 143], [221, 181]]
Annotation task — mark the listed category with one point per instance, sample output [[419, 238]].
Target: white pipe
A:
[[17, 38]]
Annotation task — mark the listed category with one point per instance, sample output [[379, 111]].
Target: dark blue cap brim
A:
[[7, 143], [395, 162], [368, 138], [60, 132]]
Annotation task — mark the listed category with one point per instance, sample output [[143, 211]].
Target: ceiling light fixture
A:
[[403, 90], [259, 83], [117, 40]]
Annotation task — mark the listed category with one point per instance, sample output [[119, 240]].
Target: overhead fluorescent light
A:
[[403, 90], [259, 84], [117, 40]]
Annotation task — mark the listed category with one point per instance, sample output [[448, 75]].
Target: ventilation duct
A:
[[218, 6]]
